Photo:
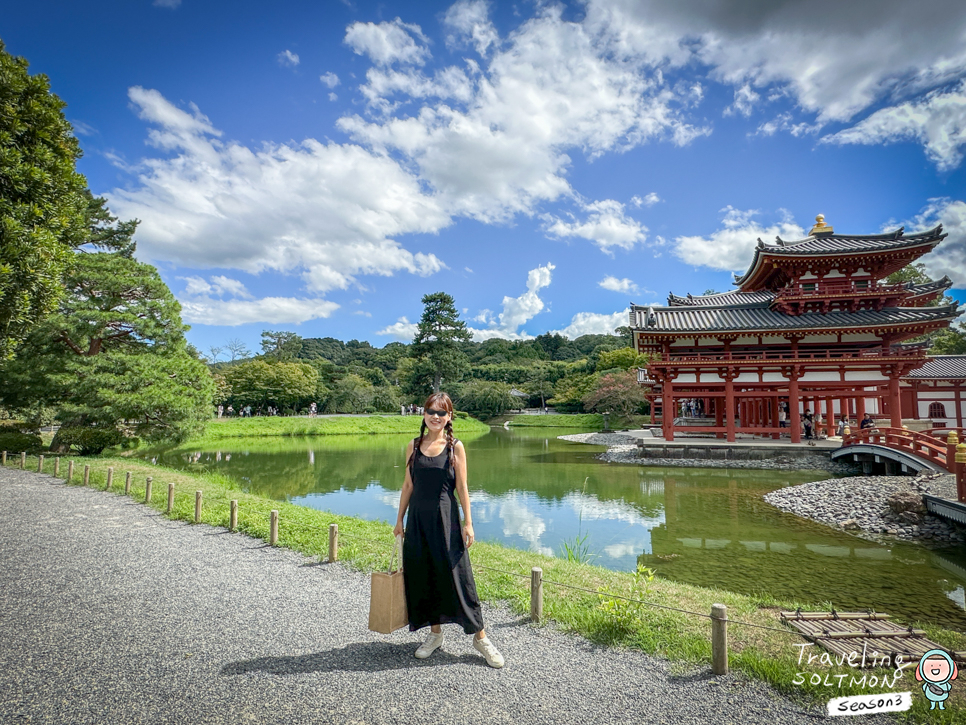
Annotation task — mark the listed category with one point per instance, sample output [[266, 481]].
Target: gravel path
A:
[[111, 613]]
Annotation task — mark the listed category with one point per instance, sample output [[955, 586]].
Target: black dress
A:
[[439, 581]]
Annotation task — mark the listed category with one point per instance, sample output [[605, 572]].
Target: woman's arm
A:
[[463, 491], [407, 491]]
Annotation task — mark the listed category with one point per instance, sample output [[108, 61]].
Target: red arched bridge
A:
[[904, 449]]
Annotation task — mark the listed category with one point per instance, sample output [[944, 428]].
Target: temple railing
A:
[[837, 288], [914, 442], [801, 355]]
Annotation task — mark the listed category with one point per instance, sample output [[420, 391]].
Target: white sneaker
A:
[[433, 642], [492, 654]]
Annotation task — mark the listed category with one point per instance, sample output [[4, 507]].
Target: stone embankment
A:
[[874, 507], [623, 449]]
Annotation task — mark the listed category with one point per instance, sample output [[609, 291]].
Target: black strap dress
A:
[[439, 580]]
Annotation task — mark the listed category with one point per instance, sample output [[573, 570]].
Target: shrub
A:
[[13, 441], [89, 441]]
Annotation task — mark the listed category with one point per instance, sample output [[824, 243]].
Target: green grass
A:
[[220, 429], [682, 638], [577, 420]]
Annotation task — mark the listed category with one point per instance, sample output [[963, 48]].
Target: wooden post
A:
[[110, 478], [56, 466], [70, 471], [233, 515], [536, 594], [147, 489], [127, 484], [333, 543], [952, 440], [170, 497], [87, 475], [3, 461], [40, 464], [198, 496], [961, 472], [273, 528], [719, 639], [23, 460]]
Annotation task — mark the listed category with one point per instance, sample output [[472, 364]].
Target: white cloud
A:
[[469, 20], [744, 103], [327, 211], [84, 129], [732, 246], [949, 258], [329, 80], [937, 121], [388, 43], [269, 310], [613, 284], [498, 144], [833, 59], [172, 4], [517, 311], [649, 200], [593, 323], [402, 330], [288, 58], [606, 226], [333, 97]]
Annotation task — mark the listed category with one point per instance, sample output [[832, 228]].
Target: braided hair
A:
[[436, 401]]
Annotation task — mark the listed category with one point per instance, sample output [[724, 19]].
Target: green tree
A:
[[625, 358], [485, 399], [263, 383], [539, 383], [352, 394], [43, 206], [951, 341], [282, 346], [617, 392], [439, 336], [112, 360]]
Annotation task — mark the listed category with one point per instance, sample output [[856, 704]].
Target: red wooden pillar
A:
[[860, 408], [829, 418], [961, 473], [729, 408], [793, 414], [895, 407], [669, 409], [844, 409], [718, 416]]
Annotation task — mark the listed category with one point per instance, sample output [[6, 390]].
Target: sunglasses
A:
[[437, 413]]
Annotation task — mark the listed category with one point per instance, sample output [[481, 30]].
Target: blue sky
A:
[[320, 166]]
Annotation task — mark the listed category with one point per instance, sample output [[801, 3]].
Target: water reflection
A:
[[703, 526]]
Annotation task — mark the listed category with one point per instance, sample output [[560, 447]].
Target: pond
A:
[[529, 490]]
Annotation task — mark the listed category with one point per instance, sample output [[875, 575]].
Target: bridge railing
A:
[[919, 444]]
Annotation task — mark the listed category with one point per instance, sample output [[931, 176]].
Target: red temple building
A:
[[811, 327]]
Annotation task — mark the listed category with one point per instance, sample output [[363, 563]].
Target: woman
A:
[[439, 581]]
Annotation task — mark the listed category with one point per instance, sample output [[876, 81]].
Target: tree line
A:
[[485, 379]]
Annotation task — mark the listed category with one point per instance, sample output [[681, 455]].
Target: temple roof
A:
[[740, 297], [950, 367], [758, 317], [832, 245]]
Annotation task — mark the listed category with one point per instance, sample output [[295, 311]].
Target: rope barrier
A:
[[606, 594], [510, 573]]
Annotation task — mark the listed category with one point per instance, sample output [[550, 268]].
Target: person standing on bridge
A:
[[440, 588]]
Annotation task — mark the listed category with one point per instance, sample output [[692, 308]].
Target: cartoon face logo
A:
[[935, 671]]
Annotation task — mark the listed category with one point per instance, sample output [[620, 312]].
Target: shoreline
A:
[[623, 449], [860, 505]]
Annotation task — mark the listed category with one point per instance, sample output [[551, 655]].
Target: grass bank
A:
[[503, 575], [219, 429], [577, 420]]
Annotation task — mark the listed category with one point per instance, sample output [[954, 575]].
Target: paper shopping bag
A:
[[387, 597]]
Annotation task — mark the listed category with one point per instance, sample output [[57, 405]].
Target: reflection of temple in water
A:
[[711, 533]]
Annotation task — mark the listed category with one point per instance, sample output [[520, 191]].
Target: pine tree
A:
[[439, 336]]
